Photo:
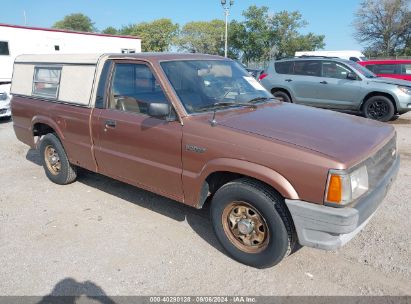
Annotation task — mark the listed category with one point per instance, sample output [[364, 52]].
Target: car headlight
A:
[[344, 187], [3, 96], [406, 90]]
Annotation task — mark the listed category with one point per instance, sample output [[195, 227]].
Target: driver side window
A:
[[335, 70], [133, 88]]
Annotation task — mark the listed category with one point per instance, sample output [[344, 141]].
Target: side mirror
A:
[[352, 76], [159, 110]]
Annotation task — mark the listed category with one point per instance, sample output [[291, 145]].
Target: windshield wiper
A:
[[257, 99], [223, 104]]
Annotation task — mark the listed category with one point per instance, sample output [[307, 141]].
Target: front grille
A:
[[381, 162]]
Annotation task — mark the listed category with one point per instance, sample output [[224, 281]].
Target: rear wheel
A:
[[283, 96], [252, 223], [55, 162], [379, 108]]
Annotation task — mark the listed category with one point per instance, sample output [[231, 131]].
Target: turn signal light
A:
[[334, 193]]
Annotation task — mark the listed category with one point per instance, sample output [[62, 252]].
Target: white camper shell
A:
[[67, 78], [18, 40]]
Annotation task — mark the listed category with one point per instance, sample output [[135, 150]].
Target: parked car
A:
[[356, 56], [5, 100], [191, 127], [338, 84], [400, 69]]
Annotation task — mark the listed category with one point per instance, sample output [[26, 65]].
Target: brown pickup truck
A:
[[198, 129]]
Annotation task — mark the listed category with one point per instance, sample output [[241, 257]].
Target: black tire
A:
[[379, 108], [283, 96], [58, 168], [280, 235]]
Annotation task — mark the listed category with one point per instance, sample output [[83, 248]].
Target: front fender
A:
[[194, 182], [380, 91]]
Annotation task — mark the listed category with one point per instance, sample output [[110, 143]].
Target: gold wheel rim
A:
[[52, 159], [245, 227]]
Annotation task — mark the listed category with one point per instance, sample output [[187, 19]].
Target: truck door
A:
[[130, 145]]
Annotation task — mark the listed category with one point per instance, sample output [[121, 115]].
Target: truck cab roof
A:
[[94, 58]]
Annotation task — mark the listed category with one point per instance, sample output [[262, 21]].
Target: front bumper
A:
[[5, 97], [5, 108], [5, 111], [329, 228], [404, 103]]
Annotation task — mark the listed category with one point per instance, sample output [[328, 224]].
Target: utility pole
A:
[[226, 8]]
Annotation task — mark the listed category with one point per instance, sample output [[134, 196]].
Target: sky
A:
[[332, 18]]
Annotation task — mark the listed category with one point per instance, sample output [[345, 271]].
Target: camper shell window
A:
[[4, 48], [46, 81]]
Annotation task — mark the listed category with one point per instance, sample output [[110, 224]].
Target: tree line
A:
[[383, 26], [259, 36]]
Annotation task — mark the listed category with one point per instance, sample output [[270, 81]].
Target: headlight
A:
[[406, 90], [3, 96], [344, 187]]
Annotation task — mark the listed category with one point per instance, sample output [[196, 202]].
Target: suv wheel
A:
[[379, 108], [55, 162], [283, 96], [252, 223]]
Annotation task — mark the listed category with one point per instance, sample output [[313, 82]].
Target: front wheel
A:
[[379, 108], [252, 223], [55, 161]]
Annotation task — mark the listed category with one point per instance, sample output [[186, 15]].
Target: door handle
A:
[[110, 123], [324, 82], [288, 80]]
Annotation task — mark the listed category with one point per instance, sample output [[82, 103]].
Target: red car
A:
[[400, 69]]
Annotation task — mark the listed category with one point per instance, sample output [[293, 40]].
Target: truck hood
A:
[[393, 81], [342, 137]]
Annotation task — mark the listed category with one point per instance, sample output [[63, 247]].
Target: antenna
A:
[[25, 17], [213, 121]]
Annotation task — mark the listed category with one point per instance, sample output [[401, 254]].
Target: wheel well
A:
[[40, 129], [372, 94], [273, 90], [217, 179]]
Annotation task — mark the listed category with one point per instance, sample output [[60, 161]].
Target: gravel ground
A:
[[99, 236]]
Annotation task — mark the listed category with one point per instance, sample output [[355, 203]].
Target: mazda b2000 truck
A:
[[199, 129]]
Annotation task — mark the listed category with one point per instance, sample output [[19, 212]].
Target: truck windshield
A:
[[202, 84]]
